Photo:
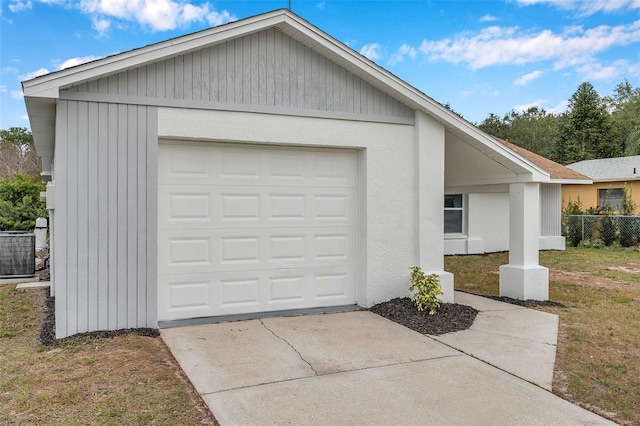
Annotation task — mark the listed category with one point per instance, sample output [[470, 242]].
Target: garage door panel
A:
[[244, 229], [185, 296], [189, 164], [180, 207], [228, 293], [201, 207], [214, 250], [238, 166]]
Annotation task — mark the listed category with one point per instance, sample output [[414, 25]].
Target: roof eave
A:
[[619, 179], [571, 181], [48, 86]]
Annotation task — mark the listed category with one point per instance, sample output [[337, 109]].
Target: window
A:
[[610, 198], [453, 214]]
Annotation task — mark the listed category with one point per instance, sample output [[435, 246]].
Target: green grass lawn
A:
[[598, 358], [125, 380]]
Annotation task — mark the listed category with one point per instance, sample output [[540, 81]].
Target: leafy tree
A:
[[496, 126], [565, 151], [18, 154], [593, 127], [20, 203], [625, 107], [533, 129], [587, 130], [632, 144]]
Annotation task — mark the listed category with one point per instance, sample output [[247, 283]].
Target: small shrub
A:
[[628, 206], [572, 223], [427, 289], [629, 230], [595, 243], [20, 203], [607, 228]]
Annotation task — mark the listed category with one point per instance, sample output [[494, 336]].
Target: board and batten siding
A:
[[550, 210], [266, 69], [105, 243]]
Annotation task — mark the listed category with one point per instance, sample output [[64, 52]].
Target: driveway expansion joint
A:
[[291, 346], [512, 336]]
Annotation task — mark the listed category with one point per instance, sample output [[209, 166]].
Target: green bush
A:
[[20, 203], [571, 224], [608, 229], [427, 289]]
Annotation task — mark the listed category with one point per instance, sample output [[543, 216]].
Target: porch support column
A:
[[430, 191], [523, 278]]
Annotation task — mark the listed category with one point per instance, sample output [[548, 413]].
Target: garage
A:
[[248, 228]]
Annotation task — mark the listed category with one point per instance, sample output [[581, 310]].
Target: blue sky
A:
[[479, 56]]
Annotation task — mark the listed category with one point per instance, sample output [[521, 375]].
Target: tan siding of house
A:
[[588, 194]]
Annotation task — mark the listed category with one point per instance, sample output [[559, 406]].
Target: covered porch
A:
[[493, 203]]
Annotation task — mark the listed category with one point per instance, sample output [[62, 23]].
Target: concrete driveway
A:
[[356, 368]]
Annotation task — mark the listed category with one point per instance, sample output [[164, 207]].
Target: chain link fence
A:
[[601, 230]]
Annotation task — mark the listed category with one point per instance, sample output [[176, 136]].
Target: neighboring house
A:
[[257, 166], [609, 175], [477, 219]]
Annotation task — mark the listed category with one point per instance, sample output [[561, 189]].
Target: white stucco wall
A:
[[388, 193], [487, 225], [489, 220]]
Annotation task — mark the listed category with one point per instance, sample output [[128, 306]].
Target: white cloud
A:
[[10, 70], [3, 89], [159, 15], [537, 103], [371, 51], [20, 5], [510, 45], [24, 117], [403, 51], [560, 108], [587, 8], [321, 5], [72, 62], [17, 94], [488, 18], [33, 74], [525, 79], [596, 71], [101, 25]]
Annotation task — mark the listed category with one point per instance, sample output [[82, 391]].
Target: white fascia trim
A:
[[571, 181], [620, 179]]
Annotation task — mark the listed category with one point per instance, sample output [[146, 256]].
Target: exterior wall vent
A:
[[17, 254]]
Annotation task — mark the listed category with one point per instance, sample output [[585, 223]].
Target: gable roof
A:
[[40, 94], [610, 169], [558, 172]]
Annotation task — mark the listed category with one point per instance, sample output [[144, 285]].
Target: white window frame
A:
[[463, 216]]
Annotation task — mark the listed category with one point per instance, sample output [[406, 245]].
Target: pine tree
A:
[[588, 129]]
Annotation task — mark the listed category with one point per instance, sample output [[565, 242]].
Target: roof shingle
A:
[[556, 170], [609, 169]]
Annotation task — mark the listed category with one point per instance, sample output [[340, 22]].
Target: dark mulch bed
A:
[[47, 336], [529, 303], [449, 318]]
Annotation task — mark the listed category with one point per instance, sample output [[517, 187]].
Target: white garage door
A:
[[244, 229]]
